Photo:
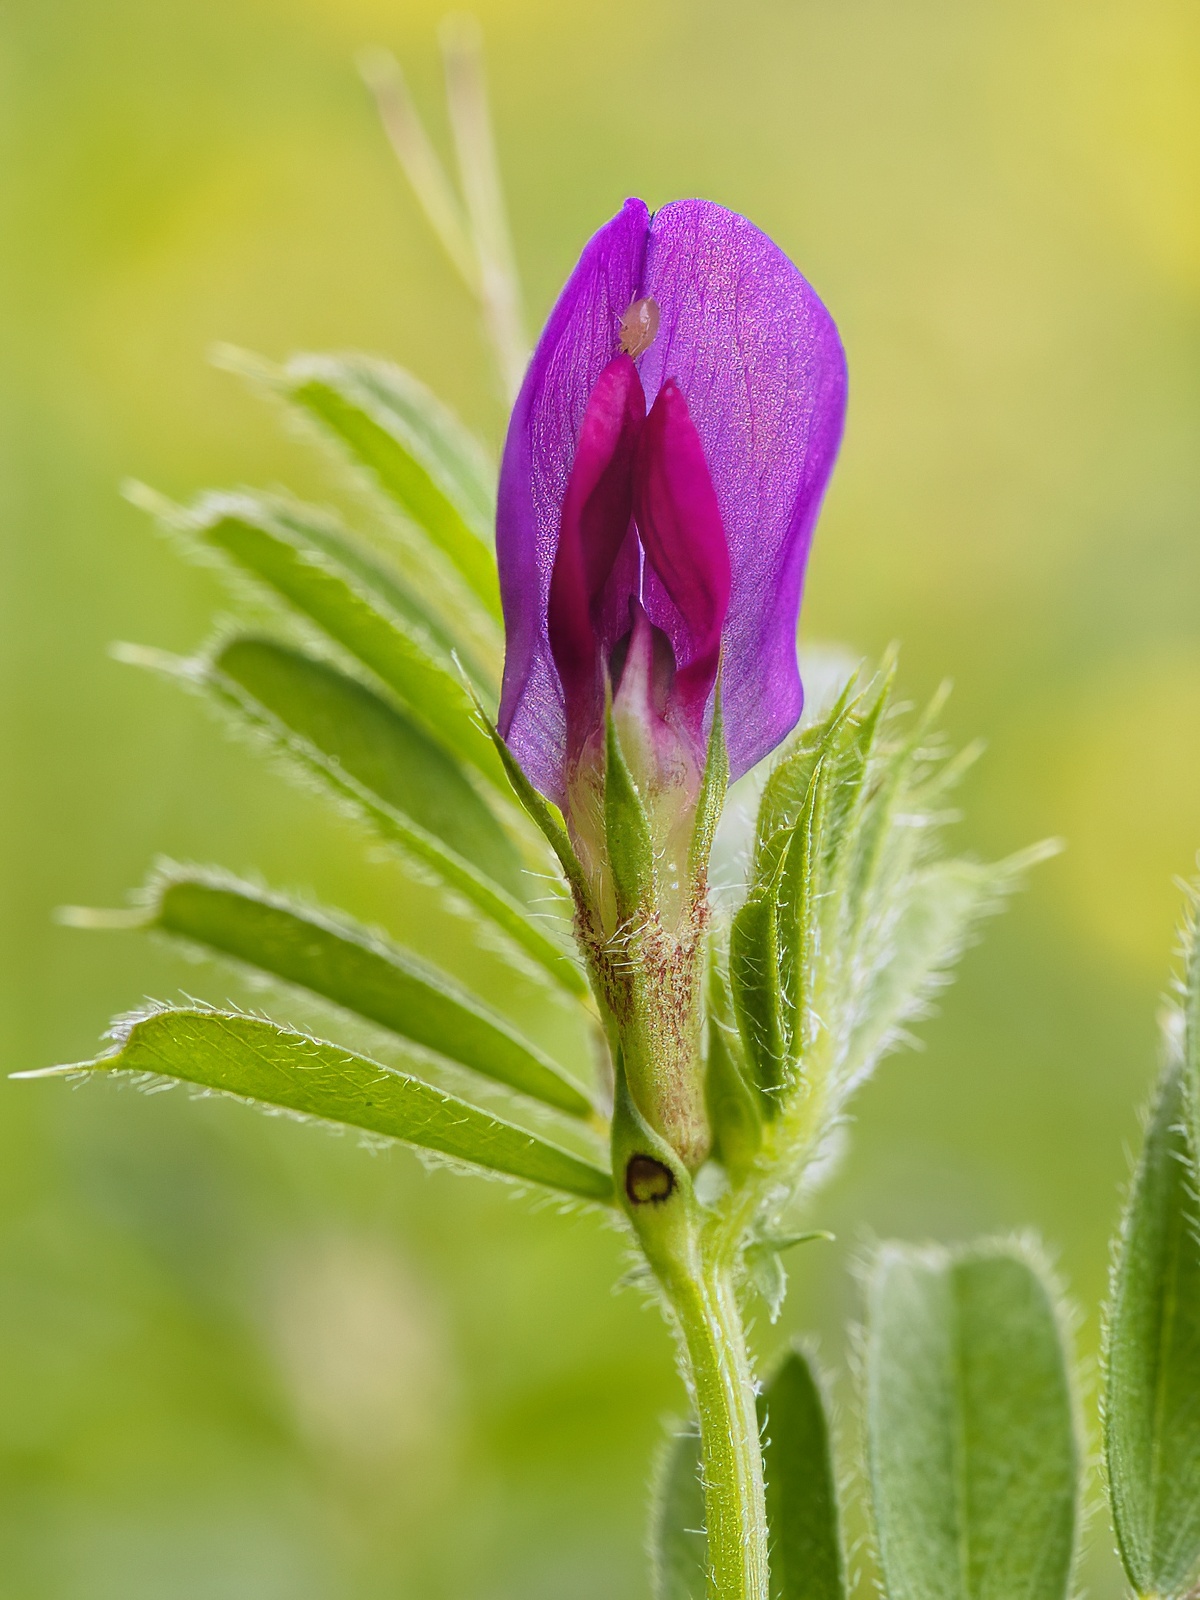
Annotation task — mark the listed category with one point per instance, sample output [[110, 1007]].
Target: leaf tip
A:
[[245, 364], [67, 1070], [149, 500]]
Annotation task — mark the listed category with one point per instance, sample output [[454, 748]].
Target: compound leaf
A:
[[929, 927], [360, 972], [419, 846], [323, 577]]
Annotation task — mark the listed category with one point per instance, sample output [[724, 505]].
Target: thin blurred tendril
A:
[[470, 220]]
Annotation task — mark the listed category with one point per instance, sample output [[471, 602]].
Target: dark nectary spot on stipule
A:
[[647, 1181]]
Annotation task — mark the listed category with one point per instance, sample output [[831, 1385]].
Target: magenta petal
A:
[[759, 360], [686, 583], [578, 342], [595, 524]]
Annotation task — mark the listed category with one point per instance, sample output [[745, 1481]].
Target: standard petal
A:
[[579, 340], [686, 581], [759, 360]]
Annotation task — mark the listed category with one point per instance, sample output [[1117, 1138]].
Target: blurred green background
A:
[[240, 1358]]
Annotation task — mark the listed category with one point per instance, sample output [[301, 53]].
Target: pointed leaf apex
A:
[[713, 788]]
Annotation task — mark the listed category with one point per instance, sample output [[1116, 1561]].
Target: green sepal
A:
[[713, 788], [866, 919], [930, 926], [629, 845], [359, 971], [1152, 1359], [545, 817], [758, 1003], [895, 778], [279, 1067], [807, 1561]]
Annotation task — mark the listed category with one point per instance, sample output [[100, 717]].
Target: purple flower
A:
[[663, 470]]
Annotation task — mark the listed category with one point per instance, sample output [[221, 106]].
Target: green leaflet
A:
[[798, 888], [972, 1454], [324, 538], [1152, 1364], [787, 787], [802, 1507], [419, 846], [414, 450], [906, 788], [852, 752], [940, 904], [804, 823], [783, 797], [733, 1106], [360, 972], [377, 744], [678, 1547], [325, 581], [279, 1067], [755, 986], [546, 818]]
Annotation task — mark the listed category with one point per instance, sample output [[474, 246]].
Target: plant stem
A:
[[691, 1250], [730, 1451]]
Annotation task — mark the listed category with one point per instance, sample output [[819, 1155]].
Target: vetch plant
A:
[[575, 705]]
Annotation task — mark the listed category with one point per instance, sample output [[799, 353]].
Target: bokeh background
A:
[[241, 1359]]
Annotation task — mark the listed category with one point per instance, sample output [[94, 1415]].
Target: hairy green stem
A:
[[730, 1451], [692, 1251]]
